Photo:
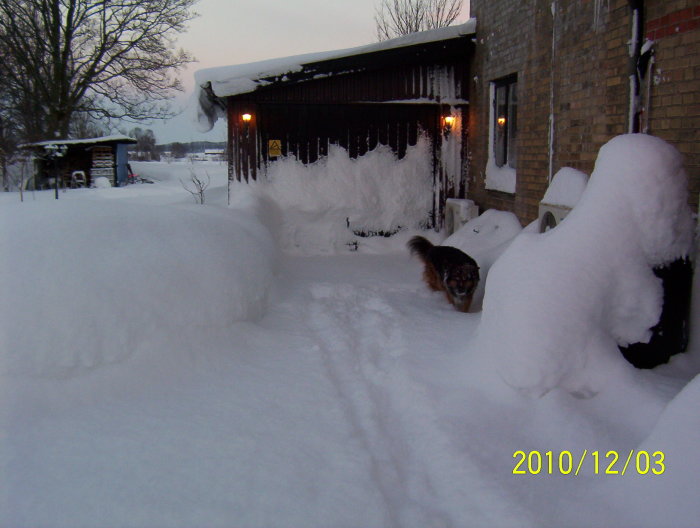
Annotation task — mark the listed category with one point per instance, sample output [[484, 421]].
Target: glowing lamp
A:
[[501, 121], [447, 123], [246, 118]]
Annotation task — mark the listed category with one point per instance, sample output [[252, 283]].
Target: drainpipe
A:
[[550, 173], [635, 49]]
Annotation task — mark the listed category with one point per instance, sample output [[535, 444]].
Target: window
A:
[[505, 126]]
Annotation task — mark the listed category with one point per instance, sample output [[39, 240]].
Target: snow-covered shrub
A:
[[86, 283], [568, 297], [323, 203]]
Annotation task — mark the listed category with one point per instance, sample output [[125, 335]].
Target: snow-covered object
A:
[[87, 282], [102, 182], [566, 188], [318, 206], [568, 297], [243, 78], [486, 236]]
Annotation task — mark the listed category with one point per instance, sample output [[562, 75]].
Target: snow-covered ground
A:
[[162, 364]]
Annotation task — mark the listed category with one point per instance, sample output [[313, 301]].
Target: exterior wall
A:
[[390, 99], [674, 113], [121, 162], [572, 60]]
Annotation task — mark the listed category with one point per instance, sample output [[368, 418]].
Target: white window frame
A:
[[502, 178]]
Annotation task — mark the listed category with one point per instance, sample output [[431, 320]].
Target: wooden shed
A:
[[387, 93], [78, 162]]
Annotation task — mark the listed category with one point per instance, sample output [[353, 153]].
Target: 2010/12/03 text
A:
[[603, 463]]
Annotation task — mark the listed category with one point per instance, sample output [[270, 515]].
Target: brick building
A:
[[553, 80]]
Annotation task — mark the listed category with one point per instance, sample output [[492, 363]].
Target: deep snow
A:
[[346, 395]]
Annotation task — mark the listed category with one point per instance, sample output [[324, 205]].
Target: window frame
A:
[[504, 105]]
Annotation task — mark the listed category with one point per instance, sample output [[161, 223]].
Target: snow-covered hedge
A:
[[85, 282], [568, 297], [320, 205]]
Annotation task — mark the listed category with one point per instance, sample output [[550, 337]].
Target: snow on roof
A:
[[117, 138], [225, 81]]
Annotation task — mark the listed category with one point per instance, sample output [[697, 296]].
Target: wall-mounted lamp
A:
[[447, 124], [501, 121], [246, 122]]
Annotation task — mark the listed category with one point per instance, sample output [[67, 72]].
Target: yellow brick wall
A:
[[584, 79]]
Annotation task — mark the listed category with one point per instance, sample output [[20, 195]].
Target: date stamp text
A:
[[602, 463]]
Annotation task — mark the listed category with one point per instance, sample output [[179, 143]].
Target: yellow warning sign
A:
[[274, 148]]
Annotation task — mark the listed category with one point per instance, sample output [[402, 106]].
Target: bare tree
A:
[[8, 145], [198, 186], [146, 148], [103, 58], [401, 17], [85, 126]]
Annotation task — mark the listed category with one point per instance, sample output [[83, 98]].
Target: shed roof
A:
[[86, 141], [226, 81]]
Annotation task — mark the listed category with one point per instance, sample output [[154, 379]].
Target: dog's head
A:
[[461, 280]]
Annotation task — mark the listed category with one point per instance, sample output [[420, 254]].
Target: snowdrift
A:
[[319, 208], [85, 281], [567, 186], [568, 297]]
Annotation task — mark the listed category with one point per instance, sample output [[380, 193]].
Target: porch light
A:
[[246, 123], [501, 121], [447, 123]]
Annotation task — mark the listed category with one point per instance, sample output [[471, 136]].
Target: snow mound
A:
[[321, 207], [568, 297], [566, 188], [666, 480], [102, 183], [485, 237], [84, 282]]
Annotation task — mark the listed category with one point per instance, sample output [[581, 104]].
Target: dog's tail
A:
[[420, 246]]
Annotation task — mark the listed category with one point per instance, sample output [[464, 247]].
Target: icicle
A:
[[597, 8]]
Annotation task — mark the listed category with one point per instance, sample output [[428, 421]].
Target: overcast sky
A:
[[241, 31]]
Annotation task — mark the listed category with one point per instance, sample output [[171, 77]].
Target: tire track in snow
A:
[[423, 479]]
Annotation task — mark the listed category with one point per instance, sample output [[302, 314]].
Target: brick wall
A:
[[573, 63], [502, 46], [674, 113]]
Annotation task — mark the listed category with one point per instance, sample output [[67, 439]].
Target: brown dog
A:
[[447, 269]]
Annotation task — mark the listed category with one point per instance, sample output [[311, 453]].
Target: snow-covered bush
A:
[[321, 204], [568, 297], [87, 283]]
